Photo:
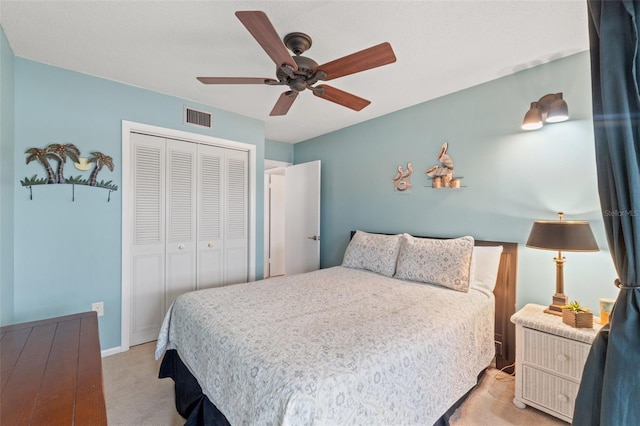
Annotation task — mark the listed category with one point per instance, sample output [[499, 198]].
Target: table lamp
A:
[[561, 235]]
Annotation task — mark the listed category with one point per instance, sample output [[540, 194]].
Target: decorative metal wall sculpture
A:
[[60, 153], [402, 180], [442, 174]]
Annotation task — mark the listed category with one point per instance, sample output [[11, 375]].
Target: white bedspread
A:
[[335, 346]]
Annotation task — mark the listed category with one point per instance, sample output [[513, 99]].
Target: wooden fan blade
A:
[[235, 80], [376, 56], [340, 97], [262, 30], [284, 103]]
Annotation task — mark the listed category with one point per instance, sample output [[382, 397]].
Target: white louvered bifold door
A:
[[236, 215], [210, 217], [181, 219], [190, 224], [148, 237]]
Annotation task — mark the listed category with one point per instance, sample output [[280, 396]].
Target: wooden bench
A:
[[51, 372]]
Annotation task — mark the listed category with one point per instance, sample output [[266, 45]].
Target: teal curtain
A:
[[610, 389]]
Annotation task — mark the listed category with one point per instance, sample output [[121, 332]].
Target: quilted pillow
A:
[[373, 252], [442, 262]]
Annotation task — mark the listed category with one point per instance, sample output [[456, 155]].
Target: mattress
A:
[[334, 346]]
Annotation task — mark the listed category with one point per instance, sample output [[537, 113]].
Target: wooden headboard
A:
[[505, 295]]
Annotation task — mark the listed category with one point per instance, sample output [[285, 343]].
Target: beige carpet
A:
[[135, 396]]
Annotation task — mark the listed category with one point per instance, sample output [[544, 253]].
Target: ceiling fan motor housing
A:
[[302, 77]]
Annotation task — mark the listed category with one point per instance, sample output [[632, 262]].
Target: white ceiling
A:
[[441, 47]]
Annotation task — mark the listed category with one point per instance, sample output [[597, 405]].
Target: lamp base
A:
[[555, 308]]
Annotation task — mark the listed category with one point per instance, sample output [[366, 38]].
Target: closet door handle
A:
[[180, 246], [210, 245], [315, 238]]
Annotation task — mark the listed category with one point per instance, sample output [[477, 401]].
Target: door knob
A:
[[315, 238], [210, 245], [180, 246]]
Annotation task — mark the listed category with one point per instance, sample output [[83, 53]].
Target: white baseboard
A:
[[111, 351]]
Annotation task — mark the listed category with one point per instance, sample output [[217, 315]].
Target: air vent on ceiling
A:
[[198, 118]]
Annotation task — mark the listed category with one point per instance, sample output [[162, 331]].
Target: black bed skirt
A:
[[191, 403], [194, 406]]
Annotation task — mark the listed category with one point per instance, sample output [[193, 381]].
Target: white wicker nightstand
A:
[[550, 356]]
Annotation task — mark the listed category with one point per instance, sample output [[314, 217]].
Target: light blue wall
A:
[[68, 254], [6, 179], [510, 177], [278, 151]]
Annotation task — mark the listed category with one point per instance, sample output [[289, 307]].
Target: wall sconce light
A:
[[550, 108]]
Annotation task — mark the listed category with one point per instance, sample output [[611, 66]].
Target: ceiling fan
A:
[[301, 73]]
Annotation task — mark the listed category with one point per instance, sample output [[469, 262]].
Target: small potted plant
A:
[[576, 315]]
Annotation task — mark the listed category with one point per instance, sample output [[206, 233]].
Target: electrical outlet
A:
[[98, 307]]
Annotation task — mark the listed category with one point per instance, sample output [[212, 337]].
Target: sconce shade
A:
[[558, 110], [550, 108], [533, 118], [569, 235]]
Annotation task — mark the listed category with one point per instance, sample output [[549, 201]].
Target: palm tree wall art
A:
[[60, 153], [101, 160], [63, 151], [42, 156]]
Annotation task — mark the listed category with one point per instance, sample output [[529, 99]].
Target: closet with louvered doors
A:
[[190, 224]]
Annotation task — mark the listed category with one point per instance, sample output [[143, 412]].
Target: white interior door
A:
[[302, 218], [210, 217], [236, 217], [181, 220], [190, 224], [174, 211], [148, 237], [277, 225]]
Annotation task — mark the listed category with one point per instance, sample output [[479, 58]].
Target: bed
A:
[[373, 341]]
